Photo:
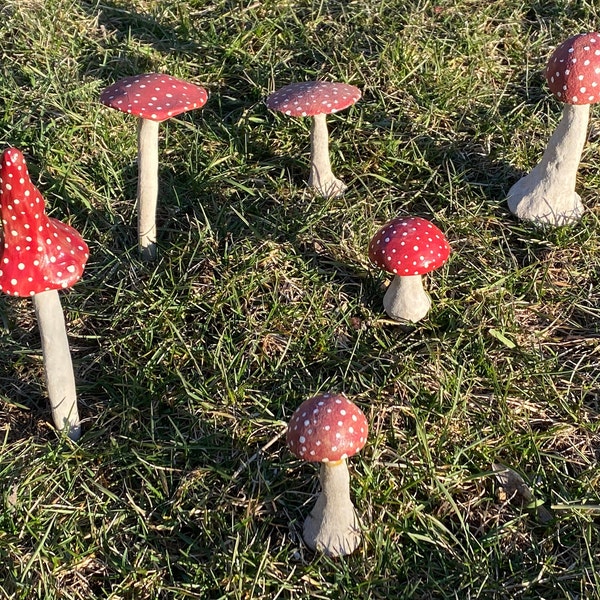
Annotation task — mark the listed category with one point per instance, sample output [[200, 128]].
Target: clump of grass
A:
[[189, 368]]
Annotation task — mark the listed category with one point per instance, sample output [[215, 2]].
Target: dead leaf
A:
[[515, 489], [12, 498]]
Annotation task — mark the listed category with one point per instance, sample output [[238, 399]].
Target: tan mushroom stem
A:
[[406, 299], [333, 526], [58, 366], [147, 192], [321, 176], [547, 194]]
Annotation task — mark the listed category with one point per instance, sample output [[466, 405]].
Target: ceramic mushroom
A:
[[39, 256], [408, 247], [153, 98], [316, 99], [328, 428], [546, 196]]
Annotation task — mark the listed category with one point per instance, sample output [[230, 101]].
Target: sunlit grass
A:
[[262, 295]]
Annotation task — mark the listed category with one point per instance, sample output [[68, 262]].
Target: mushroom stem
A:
[[547, 194], [147, 192], [333, 526], [321, 176], [58, 366], [406, 299]]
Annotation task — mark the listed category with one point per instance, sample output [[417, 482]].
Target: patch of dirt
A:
[[18, 423]]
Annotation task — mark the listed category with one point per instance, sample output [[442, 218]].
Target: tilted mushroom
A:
[[39, 256], [328, 428], [408, 247], [316, 99], [546, 196], [153, 97]]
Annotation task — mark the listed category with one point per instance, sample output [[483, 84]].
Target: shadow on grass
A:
[[123, 23], [21, 417], [25, 411], [219, 132]]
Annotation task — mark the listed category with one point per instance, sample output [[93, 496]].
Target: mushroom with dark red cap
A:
[[153, 97], [408, 247], [39, 256], [316, 99], [328, 428], [546, 196]]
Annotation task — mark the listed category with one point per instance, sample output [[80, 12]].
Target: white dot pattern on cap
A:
[[309, 98], [573, 70], [154, 96], [325, 428], [38, 253], [409, 246]]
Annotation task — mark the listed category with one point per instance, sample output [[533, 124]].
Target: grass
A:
[[188, 369]]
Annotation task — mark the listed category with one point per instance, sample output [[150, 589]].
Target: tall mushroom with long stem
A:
[[39, 256], [408, 248], [329, 428], [317, 99], [153, 98], [547, 196]]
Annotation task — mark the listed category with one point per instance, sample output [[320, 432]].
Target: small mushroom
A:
[[39, 256], [546, 196], [316, 99], [328, 428], [408, 247], [153, 97]]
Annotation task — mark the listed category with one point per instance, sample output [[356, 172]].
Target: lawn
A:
[[188, 368]]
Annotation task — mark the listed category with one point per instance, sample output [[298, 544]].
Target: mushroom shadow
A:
[[24, 408]]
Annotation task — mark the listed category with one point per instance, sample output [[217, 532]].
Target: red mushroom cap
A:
[[573, 70], [38, 253], [309, 98], [154, 96], [409, 246], [327, 427]]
